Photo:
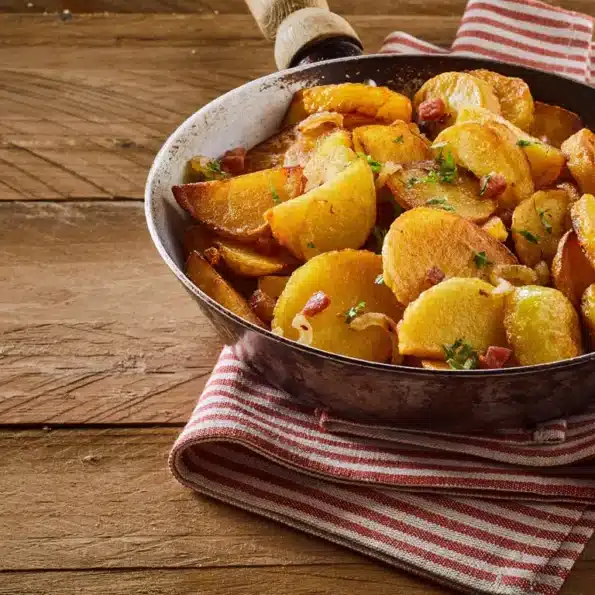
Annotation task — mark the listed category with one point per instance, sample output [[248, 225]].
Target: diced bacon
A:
[[435, 275], [431, 110], [316, 304], [263, 305], [494, 358], [233, 161], [492, 185]]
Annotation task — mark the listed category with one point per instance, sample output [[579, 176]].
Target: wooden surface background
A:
[[102, 354]]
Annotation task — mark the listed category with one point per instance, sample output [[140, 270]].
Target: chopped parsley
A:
[[530, 237], [375, 166], [441, 203], [379, 280], [354, 312], [484, 184], [379, 235], [526, 143], [399, 140], [461, 355], [214, 167], [412, 182], [447, 168], [543, 216], [276, 199], [311, 245], [481, 260]]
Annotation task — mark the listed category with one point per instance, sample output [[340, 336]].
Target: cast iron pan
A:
[[471, 400]]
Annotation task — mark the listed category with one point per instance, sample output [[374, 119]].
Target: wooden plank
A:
[[94, 328]]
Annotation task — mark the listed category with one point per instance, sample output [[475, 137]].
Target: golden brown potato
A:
[[426, 239], [515, 274], [541, 325], [197, 237], [430, 364], [553, 124], [570, 189], [207, 279], [538, 224], [457, 308], [545, 162], [514, 95], [396, 143], [580, 152], [542, 272], [486, 148], [496, 228], [348, 278], [583, 222], [272, 285], [271, 152], [379, 103], [338, 214], [572, 272], [461, 197], [235, 207], [588, 311]]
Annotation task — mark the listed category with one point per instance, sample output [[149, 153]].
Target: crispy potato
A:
[[396, 143], [541, 325], [515, 274], [197, 237], [348, 278], [320, 123], [379, 103], [553, 124], [583, 222], [338, 214], [542, 272], [272, 285], [460, 197], [488, 147], [588, 310], [496, 228], [351, 121], [430, 364], [546, 162], [572, 272], [235, 207], [538, 224], [207, 279], [457, 89], [455, 308], [271, 152], [424, 238], [580, 152], [514, 95]]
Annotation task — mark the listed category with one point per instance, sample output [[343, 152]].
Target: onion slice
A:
[[386, 171], [370, 319], [304, 328]]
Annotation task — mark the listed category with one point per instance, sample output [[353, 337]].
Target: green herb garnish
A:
[[379, 280], [447, 168], [530, 237], [484, 184], [526, 143], [354, 312], [398, 140], [311, 245], [276, 199], [441, 203], [461, 355], [543, 216], [375, 166], [481, 260], [412, 182]]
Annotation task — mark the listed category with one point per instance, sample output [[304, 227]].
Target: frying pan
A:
[[356, 389]]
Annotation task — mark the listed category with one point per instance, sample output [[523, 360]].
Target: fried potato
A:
[[207, 279], [572, 272], [580, 152], [514, 95], [583, 222], [457, 89], [396, 143], [553, 124], [460, 197], [348, 278], [197, 237], [515, 274], [272, 285], [541, 325], [235, 207], [379, 103], [424, 238], [430, 364], [455, 308], [538, 224], [487, 147], [546, 162], [271, 152], [351, 121], [338, 214], [496, 228], [588, 310]]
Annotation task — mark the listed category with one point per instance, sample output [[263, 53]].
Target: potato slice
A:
[[430, 364], [583, 222], [379, 103], [488, 147], [496, 228], [580, 152], [207, 279], [457, 89], [245, 261], [545, 162], [424, 238], [460, 197], [235, 207], [538, 224], [396, 143], [455, 308], [553, 124], [348, 278], [588, 311], [272, 285], [572, 272], [271, 152], [338, 214], [541, 325], [197, 237], [514, 95]]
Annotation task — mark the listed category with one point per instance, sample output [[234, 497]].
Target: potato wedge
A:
[[541, 325], [271, 152], [235, 207], [538, 224], [454, 309], [379, 103], [460, 197], [496, 228], [430, 364], [348, 278], [272, 285], [588, 311], [583, 222], [424, 238], [396, 143], [207, 279], [572, 272], [338, 214], [553, 124], [514, 95], [487, 147], [580, 152], [457, 89], [197, 237], [545, 162]]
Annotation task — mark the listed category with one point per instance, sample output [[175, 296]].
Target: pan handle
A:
[[304, 31]]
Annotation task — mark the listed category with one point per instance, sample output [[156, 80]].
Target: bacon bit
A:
[[233, 161], [492, 185], [263, 305], [431, 110], [545, 139], [370, 319], [494, 358], [304, 328], [212, 256], [435, 275], [316, 304]]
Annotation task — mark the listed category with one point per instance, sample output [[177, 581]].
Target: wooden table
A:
[[102, 353]]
